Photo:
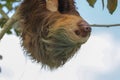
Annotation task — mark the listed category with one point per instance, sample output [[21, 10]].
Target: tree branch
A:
[[9, 23], [4, 14], [104, 25]]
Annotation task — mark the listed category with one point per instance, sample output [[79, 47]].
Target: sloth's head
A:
[[52, 31], [64, 38], [56, 39]]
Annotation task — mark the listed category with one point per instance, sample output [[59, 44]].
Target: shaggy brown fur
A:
[[49, 37], [67, 7]]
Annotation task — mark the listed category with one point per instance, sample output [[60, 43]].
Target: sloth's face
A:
[[65, 37], [75, 27]]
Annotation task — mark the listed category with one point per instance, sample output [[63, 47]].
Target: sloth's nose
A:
[[83, 29], [87, 29]]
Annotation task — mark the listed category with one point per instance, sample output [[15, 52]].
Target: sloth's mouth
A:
[[60, 47]]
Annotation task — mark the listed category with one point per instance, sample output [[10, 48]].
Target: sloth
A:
[[52, 38]]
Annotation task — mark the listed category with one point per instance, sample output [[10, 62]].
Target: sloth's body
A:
[[52, 38]]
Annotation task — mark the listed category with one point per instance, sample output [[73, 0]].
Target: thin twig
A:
[[3, 14], [104, 25]]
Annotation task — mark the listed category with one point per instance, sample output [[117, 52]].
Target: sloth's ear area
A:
[[67, 7], [52, 5], [62, 6]]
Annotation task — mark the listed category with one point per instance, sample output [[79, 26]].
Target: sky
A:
[[98, 59]]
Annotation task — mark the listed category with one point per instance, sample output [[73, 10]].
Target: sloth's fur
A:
[[45, 34]]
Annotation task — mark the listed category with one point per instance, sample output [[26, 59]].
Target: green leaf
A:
[[1, 5], [103, 4], [112, 5], [9, 32], [9, 5], [91, 2]]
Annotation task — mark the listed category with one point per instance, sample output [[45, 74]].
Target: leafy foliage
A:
[[91, 2], [7, 6], [112, 5]]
